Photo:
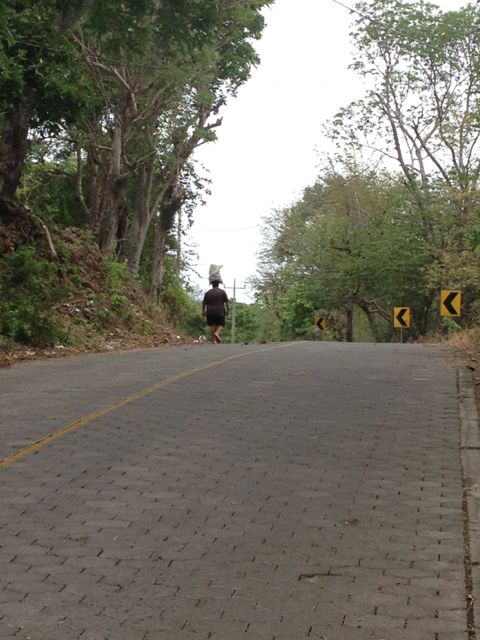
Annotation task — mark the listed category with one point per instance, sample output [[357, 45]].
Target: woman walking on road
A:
[[215, 308]]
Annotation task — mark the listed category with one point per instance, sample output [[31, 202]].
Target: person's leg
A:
[[218, 330]]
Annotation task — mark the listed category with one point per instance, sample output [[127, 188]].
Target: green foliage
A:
[[116, 276], [73, 70], [103, 316], [48, 188], [43, 71], [268, 325], [449, 326], [145, 327], [29, 289], [421, 111], [351, 240], [247, 323], [370, 240], [124, 29], [474, 237], [120, 306], [298, 310], [184, 310]]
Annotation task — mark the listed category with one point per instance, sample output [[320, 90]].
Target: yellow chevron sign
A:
[[451, 303], [321, 322], [401, 317]]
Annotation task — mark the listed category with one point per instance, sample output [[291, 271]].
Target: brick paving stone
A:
[[422, 625], [309, 491]]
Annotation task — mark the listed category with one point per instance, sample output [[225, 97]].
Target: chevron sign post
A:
[[401, 319]]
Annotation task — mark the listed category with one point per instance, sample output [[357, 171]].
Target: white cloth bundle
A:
[[214, 273]]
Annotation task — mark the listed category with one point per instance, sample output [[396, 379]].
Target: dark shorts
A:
[[215, 320]]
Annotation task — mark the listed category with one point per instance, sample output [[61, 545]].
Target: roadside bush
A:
[[121, 307], [117, 273], [29, 288], [449, 327], [184, 312]]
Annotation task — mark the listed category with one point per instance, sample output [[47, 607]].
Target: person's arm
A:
[[225, 304], [204, 306]]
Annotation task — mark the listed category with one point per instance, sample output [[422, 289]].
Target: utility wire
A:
[[352, 10]]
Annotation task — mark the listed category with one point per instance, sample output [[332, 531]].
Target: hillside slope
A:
[[59, 295]]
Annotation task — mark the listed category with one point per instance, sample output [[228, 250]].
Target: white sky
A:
[[269, 144]]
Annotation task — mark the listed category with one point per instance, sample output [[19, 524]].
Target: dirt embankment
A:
[[95, 304]]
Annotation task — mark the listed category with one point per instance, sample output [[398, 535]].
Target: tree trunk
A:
[[115, 207], [115, 201], [158, 263], [171, 202], [13, 151], [137, 236], [422, 321], [179, 243], [371, 321], [108, 231], [349, 336], [140, 221], [110, 207]]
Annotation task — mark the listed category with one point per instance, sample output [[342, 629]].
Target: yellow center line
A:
[[81, 422]]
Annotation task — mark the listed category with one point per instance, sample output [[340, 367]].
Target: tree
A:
[[422, 65], [129, 90], [139, 146], [421, 112], [352, 241], [42, 80]]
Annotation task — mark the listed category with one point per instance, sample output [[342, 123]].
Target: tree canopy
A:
[[107, 101], [394, 215]]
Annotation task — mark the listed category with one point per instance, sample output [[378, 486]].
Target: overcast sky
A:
[[270, 142]]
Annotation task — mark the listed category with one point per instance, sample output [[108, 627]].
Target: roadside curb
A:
[[470, 455]]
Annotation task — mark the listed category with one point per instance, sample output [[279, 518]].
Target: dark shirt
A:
[[215, 300]]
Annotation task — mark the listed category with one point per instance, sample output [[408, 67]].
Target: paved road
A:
[[311, 490]]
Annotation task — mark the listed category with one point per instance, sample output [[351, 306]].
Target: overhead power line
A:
[[367, 15], [352, 10]]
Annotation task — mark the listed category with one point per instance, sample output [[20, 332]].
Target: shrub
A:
[[29, 287], [449, 327], [116, 275], [121, 308]]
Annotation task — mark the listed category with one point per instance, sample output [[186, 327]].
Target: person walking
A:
[[215, 308]]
